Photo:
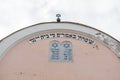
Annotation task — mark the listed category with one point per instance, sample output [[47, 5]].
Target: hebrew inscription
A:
[[60, 52]]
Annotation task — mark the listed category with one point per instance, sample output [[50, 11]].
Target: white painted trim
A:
[[10, 40]]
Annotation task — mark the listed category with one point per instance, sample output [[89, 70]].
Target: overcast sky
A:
[[100, 14]]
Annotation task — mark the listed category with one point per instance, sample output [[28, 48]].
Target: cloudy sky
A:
[[101, 14]]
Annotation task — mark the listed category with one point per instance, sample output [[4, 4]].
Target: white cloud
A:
[[101, 14]]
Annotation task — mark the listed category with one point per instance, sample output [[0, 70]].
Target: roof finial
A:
[[58, 17]]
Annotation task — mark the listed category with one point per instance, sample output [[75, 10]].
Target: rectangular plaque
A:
[[60, 52]]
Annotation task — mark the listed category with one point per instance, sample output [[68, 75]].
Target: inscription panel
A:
[[60, 52]]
